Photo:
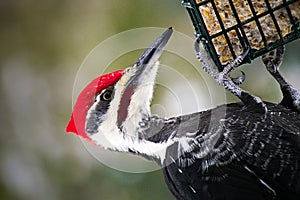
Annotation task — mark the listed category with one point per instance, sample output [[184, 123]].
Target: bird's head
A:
[[110, 108]]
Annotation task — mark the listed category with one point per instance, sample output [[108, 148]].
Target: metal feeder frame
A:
[[201, 30]]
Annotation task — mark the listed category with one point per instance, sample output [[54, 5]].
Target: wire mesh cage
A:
[[228, 27]]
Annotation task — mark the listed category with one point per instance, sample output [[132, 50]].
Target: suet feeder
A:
[[228, 27]]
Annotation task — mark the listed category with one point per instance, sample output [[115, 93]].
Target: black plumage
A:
[[233, 153]]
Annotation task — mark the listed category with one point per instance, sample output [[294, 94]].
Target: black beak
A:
[[155, 50], [139, 72], [150, 55]]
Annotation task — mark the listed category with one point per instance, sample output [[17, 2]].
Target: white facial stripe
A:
[[117, 142], [109, 136], [139, 106]]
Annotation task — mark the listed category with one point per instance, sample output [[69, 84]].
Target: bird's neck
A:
[[147, 139], [153, 135]]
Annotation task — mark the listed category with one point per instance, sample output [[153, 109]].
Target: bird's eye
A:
[[106, 95]]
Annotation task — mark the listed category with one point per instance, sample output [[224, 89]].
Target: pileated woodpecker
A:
[[250, 152]]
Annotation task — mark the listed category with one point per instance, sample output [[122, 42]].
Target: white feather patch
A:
[[109, 136]]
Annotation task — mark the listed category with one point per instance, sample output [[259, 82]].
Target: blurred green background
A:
[[43, 43]]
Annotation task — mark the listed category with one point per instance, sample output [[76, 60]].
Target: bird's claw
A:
[[240, 79], [273, 59], [236, 62], [224, 79]]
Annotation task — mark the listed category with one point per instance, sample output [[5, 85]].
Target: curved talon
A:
[[251, 102], [272, 61], [236, 62], [240, 58], [239, 80]]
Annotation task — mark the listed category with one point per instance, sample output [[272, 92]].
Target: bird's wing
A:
[[270, 148], [251, 154], [232, 182]]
